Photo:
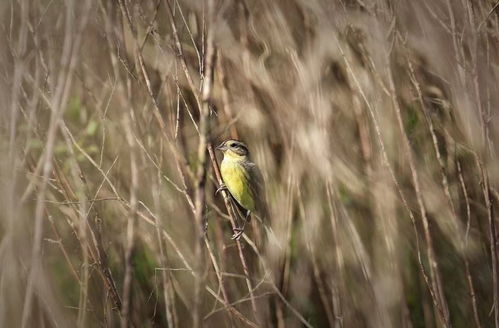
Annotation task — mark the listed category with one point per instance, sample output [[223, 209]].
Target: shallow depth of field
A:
[[375, 125]]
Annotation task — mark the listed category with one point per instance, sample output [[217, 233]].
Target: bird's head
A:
[[234, 149]]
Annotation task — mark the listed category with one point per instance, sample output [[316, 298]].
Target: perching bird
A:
[[242, 178]]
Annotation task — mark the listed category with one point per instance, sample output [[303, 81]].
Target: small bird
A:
[[243, 179]]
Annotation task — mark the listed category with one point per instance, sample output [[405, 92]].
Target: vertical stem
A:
[[492, 237], [225, 97], [181, 56], [386, 163], [165, 276], [220, 278], [232, 217], [434, 270], [466, 262], [69, 56], [130, 233], [200, 193]]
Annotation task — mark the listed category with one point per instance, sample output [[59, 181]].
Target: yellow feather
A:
[[236, 179]]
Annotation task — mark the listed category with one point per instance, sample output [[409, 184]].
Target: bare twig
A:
[[181, 56], [200, 190], [130, 231], [386, 162], [434, 269], [225, 95], [274, 286], [233, 223], [466, 239], [492, 236], [170, 309], [69, 59]]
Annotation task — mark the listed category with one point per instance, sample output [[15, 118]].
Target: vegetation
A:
[[374, 123]]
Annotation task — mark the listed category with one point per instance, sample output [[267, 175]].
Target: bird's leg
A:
[[247, 218], [239, 231], [220, 188]]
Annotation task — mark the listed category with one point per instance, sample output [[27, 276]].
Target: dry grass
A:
[[374, 122]]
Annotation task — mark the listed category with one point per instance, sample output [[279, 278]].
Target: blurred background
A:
[[374, 123]]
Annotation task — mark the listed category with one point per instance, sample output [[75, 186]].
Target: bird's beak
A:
[[222, 146]]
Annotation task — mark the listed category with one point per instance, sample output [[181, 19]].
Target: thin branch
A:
[[72, 41], [492, 236], [181, 56], [386, 162], [130, 231], [201, 176], [466, 239], [233, 221], [434, 269]]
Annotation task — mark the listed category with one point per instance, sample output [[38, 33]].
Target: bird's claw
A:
[[220, 188], [238, 232]]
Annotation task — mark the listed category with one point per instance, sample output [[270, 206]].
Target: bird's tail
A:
[[271, 237], [266, 234]]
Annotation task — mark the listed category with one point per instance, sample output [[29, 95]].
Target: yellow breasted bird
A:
[[242, 178]]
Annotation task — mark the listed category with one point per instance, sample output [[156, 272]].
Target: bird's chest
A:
[[234, 178], [236, 181]]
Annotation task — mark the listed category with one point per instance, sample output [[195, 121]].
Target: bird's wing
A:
[[257, 188]]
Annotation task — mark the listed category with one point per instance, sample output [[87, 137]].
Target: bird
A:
[[243, 179]]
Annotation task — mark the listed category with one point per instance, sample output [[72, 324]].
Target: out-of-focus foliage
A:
[[374, 123]]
